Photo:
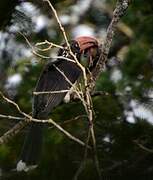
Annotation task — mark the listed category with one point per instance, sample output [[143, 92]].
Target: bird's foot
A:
[[21, 166]]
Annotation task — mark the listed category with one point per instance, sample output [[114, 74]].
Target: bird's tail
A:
[[32, 148]]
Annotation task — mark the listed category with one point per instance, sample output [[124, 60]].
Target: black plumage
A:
[[51, 79]]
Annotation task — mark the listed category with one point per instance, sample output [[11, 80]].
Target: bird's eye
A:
[[76, 45], [75, 48]]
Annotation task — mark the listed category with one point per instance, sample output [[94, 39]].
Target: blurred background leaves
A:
[[123, 117]]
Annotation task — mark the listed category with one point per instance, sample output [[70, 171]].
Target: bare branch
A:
[[70, 120], [119, 11], [143, 147], [48, 43], [16, 105], [82, 164], [50, 92], [50, 46], [5, 138], [32, 48], [11, 117], [19, 126], [13, 131], [75, 89], [67, 133], [59, 23]]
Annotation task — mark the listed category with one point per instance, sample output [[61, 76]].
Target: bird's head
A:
[[85, 48], [89, 50]]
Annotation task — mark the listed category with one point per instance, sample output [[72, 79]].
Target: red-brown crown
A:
[[86, 42], [89, 48]]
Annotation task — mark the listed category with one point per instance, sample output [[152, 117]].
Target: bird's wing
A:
[[52, 79]]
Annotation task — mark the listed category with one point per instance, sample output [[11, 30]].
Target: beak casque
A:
[[86, 42]]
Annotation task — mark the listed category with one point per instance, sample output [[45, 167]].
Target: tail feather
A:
[[32, 147]]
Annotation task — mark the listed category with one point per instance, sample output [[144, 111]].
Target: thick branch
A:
[[119, 11], [13, 131]]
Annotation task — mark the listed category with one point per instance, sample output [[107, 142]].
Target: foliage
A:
[[119, 127]]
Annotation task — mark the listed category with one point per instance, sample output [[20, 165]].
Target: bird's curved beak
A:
[[86, 42]]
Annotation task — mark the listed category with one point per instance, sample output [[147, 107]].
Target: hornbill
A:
[[86, 50]]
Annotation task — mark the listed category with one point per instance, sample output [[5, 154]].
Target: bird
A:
[[52, 78]]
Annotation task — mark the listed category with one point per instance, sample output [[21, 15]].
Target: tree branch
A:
[[17, 128], [119, 11]]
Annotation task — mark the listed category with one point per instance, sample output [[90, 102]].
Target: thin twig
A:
[[48, 43], [11, 117], [6, 137], [70, 136], [82, 164], [75, 89], [13, 131], [16, 105], [70, 120], [59, 23], [32, 48], [67, 133], [43, 56], [143, 147], [50, 92], [91, 127]]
